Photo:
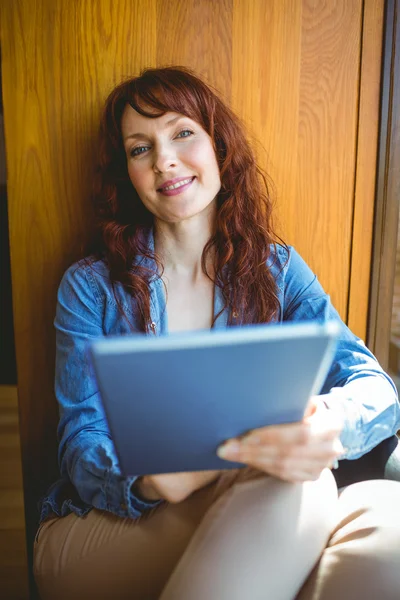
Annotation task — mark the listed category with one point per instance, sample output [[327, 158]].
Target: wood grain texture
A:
[[388, 191], [198, 35], [367, 150], [328, 111], [265, 88], [291, 71], [13, 559], [295, 81]]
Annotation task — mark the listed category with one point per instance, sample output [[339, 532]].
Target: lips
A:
[[181, 183], [173, 182]]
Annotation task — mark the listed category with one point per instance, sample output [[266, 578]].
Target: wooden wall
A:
[[303, 74]]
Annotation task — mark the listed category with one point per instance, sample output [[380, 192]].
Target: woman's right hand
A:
[[173, 487]]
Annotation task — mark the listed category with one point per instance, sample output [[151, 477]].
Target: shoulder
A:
[[283, 260], [88, 277], [278, 255], [291, 272], [284, 257], [87, 284]]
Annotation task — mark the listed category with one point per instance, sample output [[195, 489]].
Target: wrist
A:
[[144, 490]]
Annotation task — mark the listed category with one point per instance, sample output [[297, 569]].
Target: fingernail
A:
[[227, 450], [250, 440]]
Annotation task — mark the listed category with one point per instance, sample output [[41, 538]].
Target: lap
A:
[[119, 552], [104, 550], [122, 555]]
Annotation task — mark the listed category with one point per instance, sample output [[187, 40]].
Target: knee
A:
[[307, 508], [369, 511], [368, 535], [374, 503]]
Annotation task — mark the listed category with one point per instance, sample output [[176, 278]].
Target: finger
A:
[[311, 406], [319, 442], [322, 452], [317, 449], [287, 471], [274, 435], [277, 441], [301, 476], [292, 433], [287, 468], [288, 463]]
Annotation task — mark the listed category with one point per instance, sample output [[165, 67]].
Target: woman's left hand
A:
[[293, 452]]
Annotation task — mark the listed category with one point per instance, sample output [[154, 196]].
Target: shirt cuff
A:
[[140, 502], [122, 501], [342, 404]]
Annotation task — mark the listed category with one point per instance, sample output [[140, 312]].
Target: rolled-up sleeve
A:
[[356, 384], [87, 455]]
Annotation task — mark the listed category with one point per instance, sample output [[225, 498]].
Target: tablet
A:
[[170, 401]]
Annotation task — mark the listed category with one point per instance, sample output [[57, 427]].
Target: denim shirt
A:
[[87, 309]]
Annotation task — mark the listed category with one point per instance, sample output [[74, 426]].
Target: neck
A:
[[180, 245]]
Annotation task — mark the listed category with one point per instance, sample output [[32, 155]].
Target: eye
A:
[[138, 150], [188, 131]]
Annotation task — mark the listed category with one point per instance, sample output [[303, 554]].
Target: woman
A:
[[185, 242]]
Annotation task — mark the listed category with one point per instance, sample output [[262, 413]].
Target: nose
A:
[[165, 159]]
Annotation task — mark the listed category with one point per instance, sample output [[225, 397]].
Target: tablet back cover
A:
[[170, 406]]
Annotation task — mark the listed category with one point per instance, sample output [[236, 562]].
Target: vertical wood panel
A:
[[295, 81], [198, 35], [328, 111], [367, 150], [387, 190], [265, 87], [13, 563]]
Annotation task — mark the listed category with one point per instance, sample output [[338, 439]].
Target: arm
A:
[[361, 398], [86, 452], [356, 387]]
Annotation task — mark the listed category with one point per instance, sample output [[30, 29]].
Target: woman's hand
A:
[[173, 487], [292, 452]]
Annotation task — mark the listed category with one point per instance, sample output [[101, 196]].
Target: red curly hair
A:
[[243, 235]]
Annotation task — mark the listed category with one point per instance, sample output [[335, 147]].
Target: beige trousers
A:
[[245, 537]]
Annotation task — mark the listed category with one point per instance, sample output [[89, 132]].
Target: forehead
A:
[[133, 122]]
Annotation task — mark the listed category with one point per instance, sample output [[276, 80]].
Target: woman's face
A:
[[166, 151]]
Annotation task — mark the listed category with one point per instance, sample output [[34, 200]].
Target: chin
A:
[[184, 214], [176, 212], [178, 218]]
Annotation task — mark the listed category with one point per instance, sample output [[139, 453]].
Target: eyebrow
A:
[[143, 135]]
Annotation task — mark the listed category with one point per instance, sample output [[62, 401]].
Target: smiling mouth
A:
[[177, 185]]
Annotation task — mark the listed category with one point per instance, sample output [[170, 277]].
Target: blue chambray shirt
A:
[[90, 475]]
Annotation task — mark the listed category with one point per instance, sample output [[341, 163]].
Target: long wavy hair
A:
[[242, 237]]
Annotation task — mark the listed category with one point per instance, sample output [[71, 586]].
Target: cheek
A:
[[204, 162], [137, 178]]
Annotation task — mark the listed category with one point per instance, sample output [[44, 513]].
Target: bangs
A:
[[157, 92]]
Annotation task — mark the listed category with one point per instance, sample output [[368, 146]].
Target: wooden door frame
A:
[[387, 201]]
